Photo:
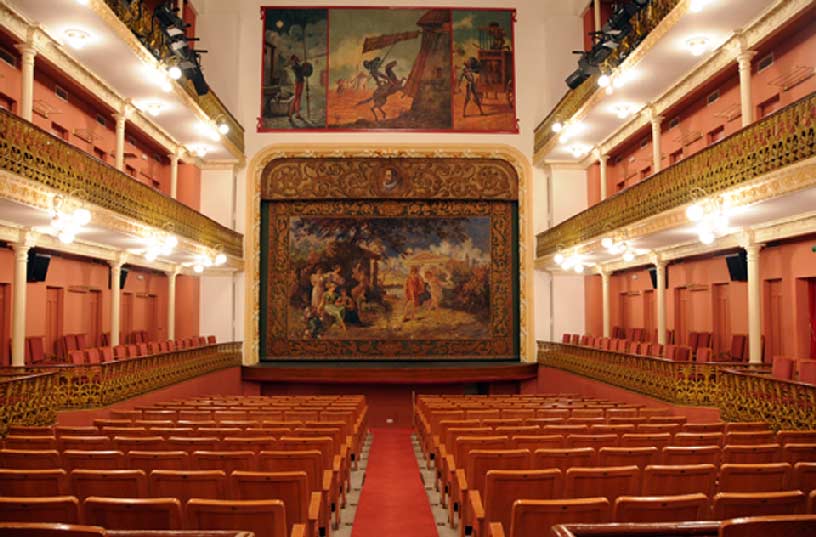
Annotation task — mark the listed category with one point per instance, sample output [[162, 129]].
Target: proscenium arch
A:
[[252, 246]]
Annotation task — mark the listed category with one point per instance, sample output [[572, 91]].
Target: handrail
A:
[[31, 152], [681, 383], [783, 138], [785, 404], [34, 396]]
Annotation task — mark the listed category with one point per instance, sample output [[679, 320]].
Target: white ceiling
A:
[[662, 66], [113, 61]]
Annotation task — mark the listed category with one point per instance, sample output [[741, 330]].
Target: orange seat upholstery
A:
[[188, 484], [84, 443], [660, 508], [157, 460], [750, 454], [624, 456], [773, 477], [661, 480], [228, 461], [292, 488], [109, 483], [24, 459], [804, 477], [92, 460], [36, 442], [698, 439], [563, 459], [266, 518], [133, 513], [793, 453], [49, 529], [609, 482]]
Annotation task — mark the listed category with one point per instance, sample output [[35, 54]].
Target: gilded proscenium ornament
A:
[[30, 152], [779, 140], [642, 23], [140, 21]]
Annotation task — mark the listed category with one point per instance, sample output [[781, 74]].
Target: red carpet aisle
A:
[[393, 499]]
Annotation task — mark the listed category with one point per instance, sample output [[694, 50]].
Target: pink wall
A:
[[187, 306], [594, 184], [189, 185]]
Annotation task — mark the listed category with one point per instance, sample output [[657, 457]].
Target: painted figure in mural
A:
[[349, 308], [358, 292], [331, 298], [414, 287], [435, 288], [469, 71], [335, 277], [314, 325], [373, 68], [301, 71], [316, 280]]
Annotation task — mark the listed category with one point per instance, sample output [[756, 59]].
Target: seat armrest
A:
[[496, 530], [336, 463], [476, 505], [327, 480], [461, 481], [298, 530], [314, 506]]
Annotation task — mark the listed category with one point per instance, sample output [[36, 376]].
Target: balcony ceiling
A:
[[661, 67], [113, 60]]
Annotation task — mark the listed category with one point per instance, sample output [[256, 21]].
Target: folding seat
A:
[[30, 459], [662, 480], [228, 415], [775, 477], [585, 421], [77, 357], [609, 482], [617, 429], [153, 423], [694, 340], [211, 340], [654, 411], [749, 438], [669, 351], [677, 420], [250, 443], [565, 429], [530, 516], [744, 426], [562, 413], [743, 504], [138, 443], [227, 461], [501, 489], [63, 509], [108, 483], [30, 430], [563, 458], [292, 488], [804, 476], [658, 440], [30, 442], [656, 349], [92, 460], [676, 508], [522, 413], [782, 368], [186, 484], [157, 460], [626, 421], [33, 483], [93, 356], [623, 456], [122, 414], [108, 422], [713, 427], [144, 349], [84, 443], [596, 441], [683, 353], [679, 455], [807, 371], [519, 430], [120, 352], [153, 347], [621, 413], [479, 414], [533, 442], [704, 354], [105, 354], [793, 453], [201, 340], [37, 349], [769, 526], [160, 414], [697, 439], [656, 428], [191, 443], [587, 413], [217, 432], [265, 518], [751, 454], [133, 514], [195, 415], [456, 459], [796, 437], [133, 351]]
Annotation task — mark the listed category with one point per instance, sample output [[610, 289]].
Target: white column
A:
[[754, 319], [656, 144], [171, 303], [607, 322], [121, 120], [660, 269], [174, 162], [18, 316], [744, 64], [116, 295], [597, 6], [602, 160], [27, 94]]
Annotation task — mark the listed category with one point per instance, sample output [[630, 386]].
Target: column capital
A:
[[747, 241], [26, 240], [744, 58], [600, 155], [658, 261], [119, 260], [125, 110], [174, 271], [27, 50]]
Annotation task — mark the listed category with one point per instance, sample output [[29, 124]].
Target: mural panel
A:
[[415, 69]]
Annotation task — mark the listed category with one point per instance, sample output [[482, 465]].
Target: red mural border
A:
[[326, 129]]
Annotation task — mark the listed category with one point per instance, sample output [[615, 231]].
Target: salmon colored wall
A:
[[189, 185], [593, 305], [594, 184], [141, 288], [628, 164]]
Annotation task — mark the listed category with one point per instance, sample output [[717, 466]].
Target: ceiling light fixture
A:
[[604, 80], [83, 2], [209, 131], [199, 150], [624, 110], [65, 224], [174, 72], [75, 38], [154, 108], [698, 5], [571, 130], [557, 126], [698, 45], [579, 150]]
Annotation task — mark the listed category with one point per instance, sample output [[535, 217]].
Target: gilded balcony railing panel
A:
[[781, 139], [139, 20], [642, 24], [783, 404], [28, 398], [30, 152]]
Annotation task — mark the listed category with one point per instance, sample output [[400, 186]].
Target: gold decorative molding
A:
[[29, 152], [751, 397], [735, 165], [255, 174]]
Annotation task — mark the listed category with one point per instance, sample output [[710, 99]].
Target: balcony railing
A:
[[30, 152], [140, 21], [32, 396], [680, 383], [781, 139], [783, 404], [642, 24]]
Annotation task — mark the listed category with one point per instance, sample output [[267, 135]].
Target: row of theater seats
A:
[[97, 355], [125, 467], [497, 477], [35, 351], [695, 339], [755, 526]]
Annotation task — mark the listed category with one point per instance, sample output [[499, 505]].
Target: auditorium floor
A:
[[439, 513]]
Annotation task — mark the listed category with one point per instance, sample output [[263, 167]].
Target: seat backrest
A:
[[504, 487], [693, 340], [698, 439], [139, 443], [704, 354], [596, 441], [563, 458], [37, 442], [682, 455], [228, 461], [64, 509], [292, 488], [769, 526], [676, 508], [29, 459], [782, 368], [157, 460], [85, 443], [49, 529], [120, 352], [663, 480], [33, 483], [608, 482], [741, 504], [108, 483], [133, 513], [36, 348], [737, 351], [265, 518], [749, 438], [804, 476], [534, 442], [186, 484], [252, 443], [310, 462], [774, 477], [190, 444], [324, 444], [532, 517], [796, 437], [479, 461], [464, 444], [74, 459], [659, 440], [751, 454], [624, 456]]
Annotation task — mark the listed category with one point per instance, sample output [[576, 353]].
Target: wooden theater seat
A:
[[292, 488], [531, 518], [109, 483], [773, 477], [35, 442], [157, 460], [739, 504], [33, 483], [608, 482], [266, 518], [660, 508], [750, 454], [93, 460], [662, 480], [186, 484], [49, 529], [23, 459], [769, 526], [473, 476], [63, 509], [563, 458], [133, 513]]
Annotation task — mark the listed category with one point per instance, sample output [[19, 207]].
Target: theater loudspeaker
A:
[[737, 267], [122, 278], [653, 276], [37, 268]]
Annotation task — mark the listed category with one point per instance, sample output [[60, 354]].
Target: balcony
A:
[[744, 159], [31, 153]]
